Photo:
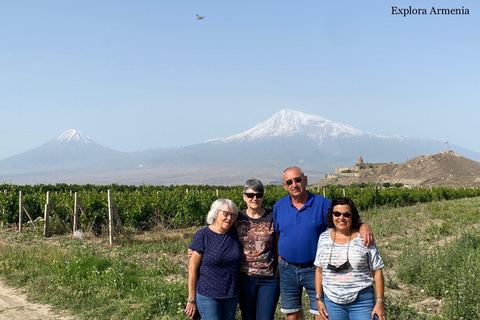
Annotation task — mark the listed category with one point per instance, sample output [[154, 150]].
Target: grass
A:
[[135, 280], [431, 253]]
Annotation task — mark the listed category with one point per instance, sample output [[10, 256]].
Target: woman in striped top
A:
[[346, 270]]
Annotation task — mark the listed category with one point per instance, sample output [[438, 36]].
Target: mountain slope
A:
[[288, 123], [72, 151], [288, 138], [311, 139], [445, 168]]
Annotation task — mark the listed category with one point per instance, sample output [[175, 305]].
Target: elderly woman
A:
[[346, 269], [213, 269], [259, 286]]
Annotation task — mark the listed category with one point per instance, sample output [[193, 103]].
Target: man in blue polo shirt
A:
[[299, 220]]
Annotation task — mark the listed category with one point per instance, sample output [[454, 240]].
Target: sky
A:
[[137, 75]]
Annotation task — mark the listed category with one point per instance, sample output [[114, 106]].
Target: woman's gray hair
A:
[[254, 184], [216, 206]]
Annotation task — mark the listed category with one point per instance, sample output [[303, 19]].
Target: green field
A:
[[431, 251]]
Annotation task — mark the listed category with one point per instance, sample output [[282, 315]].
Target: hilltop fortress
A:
[[446, 168], [359, 169]]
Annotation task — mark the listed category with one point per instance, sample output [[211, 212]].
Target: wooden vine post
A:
[[50, 207], [4, 193], [75, 212], [78, 205], [20, 210], [110, 216], [46, 216], [113, 218]]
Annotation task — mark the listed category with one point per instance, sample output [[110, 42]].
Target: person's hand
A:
[[322, 310], [379, 310], [190, 309], [189, 253], [367, 235]]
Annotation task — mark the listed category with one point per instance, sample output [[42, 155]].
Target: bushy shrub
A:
[[450, 273]]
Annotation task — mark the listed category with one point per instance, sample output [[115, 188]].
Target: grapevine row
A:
[[179, 206]]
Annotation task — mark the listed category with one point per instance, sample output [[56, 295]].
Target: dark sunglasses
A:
[[338, 214], [344, 266], [251, 195], [297, 180]]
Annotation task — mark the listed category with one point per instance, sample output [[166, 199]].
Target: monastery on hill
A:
[[355, 171]]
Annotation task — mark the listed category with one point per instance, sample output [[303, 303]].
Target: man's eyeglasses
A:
[[227, 214], [290, 182], [345, 214], [251, 195]]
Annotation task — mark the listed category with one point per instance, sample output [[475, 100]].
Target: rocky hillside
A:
[[441, 169]]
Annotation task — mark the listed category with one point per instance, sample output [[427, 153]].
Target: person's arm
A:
[[367, 235], [193, 267], [379, 308], [319, 293], [277, 237]]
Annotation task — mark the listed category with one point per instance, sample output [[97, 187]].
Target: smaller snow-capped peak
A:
[[287, 123], [72, 135]]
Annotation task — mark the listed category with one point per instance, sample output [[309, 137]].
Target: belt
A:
[[301, 265]]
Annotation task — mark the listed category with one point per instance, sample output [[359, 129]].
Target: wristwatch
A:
[[318, 297], [193, 300]]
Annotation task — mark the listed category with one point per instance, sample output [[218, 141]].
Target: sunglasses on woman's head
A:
[[251, 195], [290, 182], [345, 214]]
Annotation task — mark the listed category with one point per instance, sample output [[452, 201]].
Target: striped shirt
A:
[[342, 287]]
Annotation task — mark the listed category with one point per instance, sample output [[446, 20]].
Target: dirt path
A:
[[14, 306]]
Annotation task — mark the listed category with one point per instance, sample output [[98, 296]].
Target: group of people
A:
[[279, 252]]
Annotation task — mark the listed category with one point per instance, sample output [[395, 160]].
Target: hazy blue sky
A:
[[135, 75]]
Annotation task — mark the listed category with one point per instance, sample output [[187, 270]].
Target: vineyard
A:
[[430, 247], [143, 207]]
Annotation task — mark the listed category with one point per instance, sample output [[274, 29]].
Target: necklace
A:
[[346, 264]]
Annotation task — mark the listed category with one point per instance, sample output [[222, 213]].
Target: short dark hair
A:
[[254, 184], [356, 222]]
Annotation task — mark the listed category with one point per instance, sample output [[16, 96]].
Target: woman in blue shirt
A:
[[213, 269]]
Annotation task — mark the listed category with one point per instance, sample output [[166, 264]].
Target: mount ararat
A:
[[288, 138]]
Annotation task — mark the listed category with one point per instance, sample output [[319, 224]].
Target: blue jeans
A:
[[292, 282], [360, 309], [217, 309], [258, 297]]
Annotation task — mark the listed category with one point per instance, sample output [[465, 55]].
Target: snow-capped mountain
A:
[[74, 136], [288, 138], [288, 123], [314, 139], [72, 151]]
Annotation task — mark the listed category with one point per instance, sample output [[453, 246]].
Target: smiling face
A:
[[295, 182], [341, 222], [254, 203], [225, 219]]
